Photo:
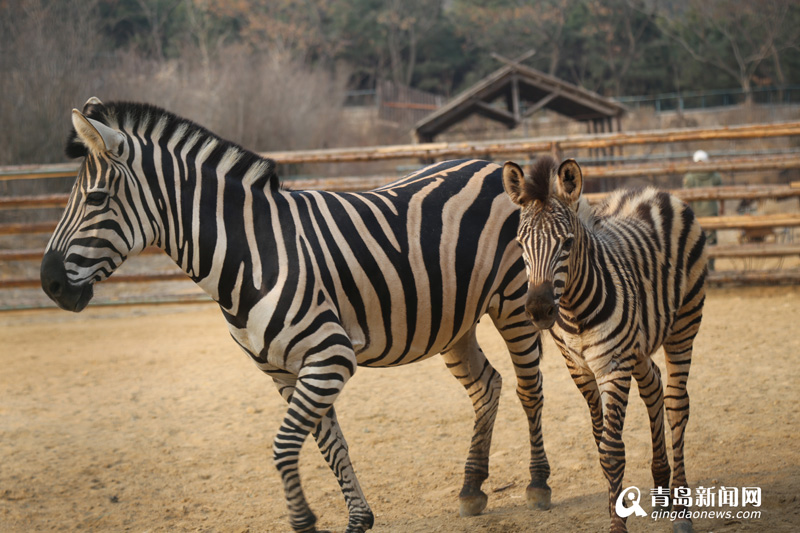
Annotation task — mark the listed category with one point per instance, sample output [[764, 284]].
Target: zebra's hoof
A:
[[682, 526], [361, 522], [538, 498], [472, 505]]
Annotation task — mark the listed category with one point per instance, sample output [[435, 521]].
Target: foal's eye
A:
[[96, 198], [567, 244]]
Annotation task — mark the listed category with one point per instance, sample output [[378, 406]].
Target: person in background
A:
[[705, 208]]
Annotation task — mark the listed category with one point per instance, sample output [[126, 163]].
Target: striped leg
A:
[[648, 378], [525, 347], [678, 356], [614, 388], [588, 387], [469, 365], [310, 400], [676, 401]]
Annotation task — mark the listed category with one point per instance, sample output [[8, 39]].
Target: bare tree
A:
[[406, 22], [49, 52], [734, 36], [157, 12]]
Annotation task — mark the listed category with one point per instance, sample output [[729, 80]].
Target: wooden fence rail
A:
[[709, 223], [431, 151], [428, 151], [749, 192]]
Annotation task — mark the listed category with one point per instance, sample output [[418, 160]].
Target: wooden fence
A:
[[490, 149]]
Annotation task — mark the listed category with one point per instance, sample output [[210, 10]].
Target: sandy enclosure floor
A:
[[149, 418]]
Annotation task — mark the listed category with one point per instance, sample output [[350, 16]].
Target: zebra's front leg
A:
[[469, 365], [311, 400], [587, 385], [614, 388], [333, 447], [524, 344]]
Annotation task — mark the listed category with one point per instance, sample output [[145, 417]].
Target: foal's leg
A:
[[469, 365], [586, 383], [525, 347], [648, 378], [676, 400], [614, 388], [678, 356]]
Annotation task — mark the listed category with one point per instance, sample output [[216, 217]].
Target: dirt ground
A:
[[149, 418]]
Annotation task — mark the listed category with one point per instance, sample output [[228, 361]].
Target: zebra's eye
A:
[[96, 198], [567, 244]]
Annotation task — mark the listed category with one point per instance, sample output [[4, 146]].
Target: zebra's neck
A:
[[206, 197], [588, 282]]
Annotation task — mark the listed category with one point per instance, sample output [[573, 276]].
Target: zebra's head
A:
[[549, 199], [97, 231]]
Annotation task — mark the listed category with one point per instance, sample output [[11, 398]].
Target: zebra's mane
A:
[[537, 185], [145, 118]]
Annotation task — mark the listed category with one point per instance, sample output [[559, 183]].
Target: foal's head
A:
[[549, 200]]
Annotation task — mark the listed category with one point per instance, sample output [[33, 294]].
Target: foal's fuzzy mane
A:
[[142, 118], [537, 185]]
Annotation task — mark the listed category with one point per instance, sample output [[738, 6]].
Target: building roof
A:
[[519, 85]]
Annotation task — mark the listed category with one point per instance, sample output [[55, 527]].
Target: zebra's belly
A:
[[402, 350]]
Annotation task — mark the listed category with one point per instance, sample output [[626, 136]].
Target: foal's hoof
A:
[[682, 526], [538, 498], [473, 504], [360, 522]]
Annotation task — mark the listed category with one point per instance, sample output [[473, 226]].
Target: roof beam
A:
[[495, 113], [542, 103]]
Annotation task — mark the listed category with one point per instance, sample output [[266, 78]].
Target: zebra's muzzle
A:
[[541, 306], [55, 284]]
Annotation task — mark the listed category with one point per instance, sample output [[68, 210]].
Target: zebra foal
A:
[[312, 284], [613, 284]]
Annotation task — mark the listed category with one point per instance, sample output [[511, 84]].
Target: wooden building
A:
[[515, 92]]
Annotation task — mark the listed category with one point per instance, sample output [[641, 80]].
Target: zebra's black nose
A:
[[53, 275], [541, 306]]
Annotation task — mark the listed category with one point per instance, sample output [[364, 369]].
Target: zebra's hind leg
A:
[[678, 356], [648, 378], [525, 347], [678, 349], [469, 365], [310, 399]]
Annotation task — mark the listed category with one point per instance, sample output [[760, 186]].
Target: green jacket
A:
[[704, 208]]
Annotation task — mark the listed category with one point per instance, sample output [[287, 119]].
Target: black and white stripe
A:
[[311, 283], [613, 285]]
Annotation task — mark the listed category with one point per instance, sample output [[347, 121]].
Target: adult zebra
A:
[[311, 283], [613, 285]]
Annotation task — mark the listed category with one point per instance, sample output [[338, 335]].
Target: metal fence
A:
[[783, 95]]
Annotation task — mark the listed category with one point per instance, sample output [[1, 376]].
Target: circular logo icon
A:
[[633, 495]]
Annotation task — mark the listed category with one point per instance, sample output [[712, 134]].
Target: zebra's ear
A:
[[569, 185], [93, 107], [96, 136], [514, 183]]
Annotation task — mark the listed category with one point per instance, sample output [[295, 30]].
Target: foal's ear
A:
[[569, 184], [514, 183]]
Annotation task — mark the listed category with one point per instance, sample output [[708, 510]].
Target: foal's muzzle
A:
[[541, 306]]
